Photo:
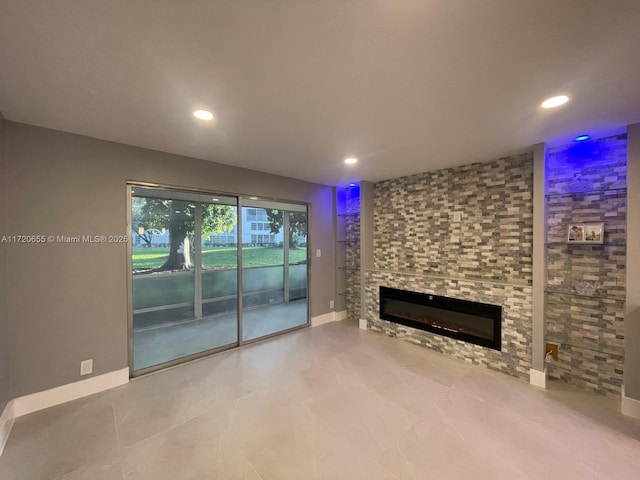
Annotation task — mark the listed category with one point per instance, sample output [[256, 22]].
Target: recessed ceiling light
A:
[[215, 199], [351, 160], [555, 101], [582, 138], [253, 198], [203, 114], [352, 184]]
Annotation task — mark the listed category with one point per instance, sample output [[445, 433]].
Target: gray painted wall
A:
[[5, 390], [68, 302], [632, 312]]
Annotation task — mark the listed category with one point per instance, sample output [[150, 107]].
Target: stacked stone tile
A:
[[587, 184], [352, 255], [415, 231], [486, 257], [515, 357]]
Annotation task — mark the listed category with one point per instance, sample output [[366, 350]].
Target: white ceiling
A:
[[407, 86]]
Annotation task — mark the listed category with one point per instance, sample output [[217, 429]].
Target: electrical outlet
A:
[[86, 367], [553, 349], [457, 216], [331, 304]]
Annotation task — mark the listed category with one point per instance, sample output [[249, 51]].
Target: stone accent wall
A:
[[415, 230], [352, 253], [515, 357], [587, 184], [484, 257]]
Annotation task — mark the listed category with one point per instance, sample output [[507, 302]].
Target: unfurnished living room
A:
[[319, 239]]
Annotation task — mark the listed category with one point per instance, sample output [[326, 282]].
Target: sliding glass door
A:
[[219, 274], [188, 295], [274, 268], [184, 286]]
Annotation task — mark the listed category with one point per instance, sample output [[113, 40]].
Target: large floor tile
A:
[[155, 403], [49, 444], [367, 420], [191, 451], [331, 402], [110, 469]]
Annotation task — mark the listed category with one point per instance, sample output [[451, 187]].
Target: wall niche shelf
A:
[[612, 191], [581, 245], [586, 249], [348, 217], [595, 295]]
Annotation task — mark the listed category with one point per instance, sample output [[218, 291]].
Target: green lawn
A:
[[219, 257]]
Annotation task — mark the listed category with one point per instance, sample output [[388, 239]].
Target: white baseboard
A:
[[322, 319], [71, 391], [328, 317], [538, 378], [6, 423], [629, 406], [362, 324]]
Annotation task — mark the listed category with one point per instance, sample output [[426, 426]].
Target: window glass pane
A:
[[274, 275], [181, 306]]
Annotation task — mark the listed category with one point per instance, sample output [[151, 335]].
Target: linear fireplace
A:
[[472, 322]]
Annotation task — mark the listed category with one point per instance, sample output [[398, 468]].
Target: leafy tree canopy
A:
[[178, 217], [297, 224], [162, 213]]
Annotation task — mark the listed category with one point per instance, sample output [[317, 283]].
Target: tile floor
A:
[[330, 402]]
